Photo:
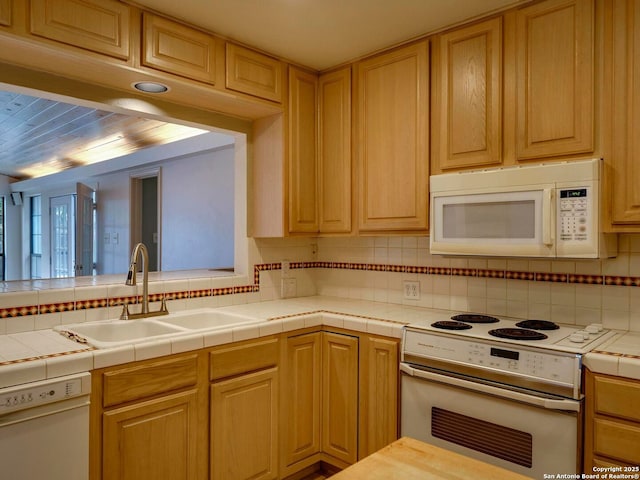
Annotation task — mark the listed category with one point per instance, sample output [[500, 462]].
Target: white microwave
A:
[[546, 210]]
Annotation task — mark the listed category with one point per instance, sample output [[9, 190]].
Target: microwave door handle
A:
[[547, 217]]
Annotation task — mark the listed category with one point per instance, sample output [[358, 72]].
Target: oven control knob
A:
[[592, 329], [576, 337]]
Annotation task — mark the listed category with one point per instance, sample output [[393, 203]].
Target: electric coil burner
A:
[[517, 334], [538, 325], [474, 318], [451, 325]]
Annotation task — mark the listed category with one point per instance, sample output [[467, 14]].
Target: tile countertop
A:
[[32, 356], [620, 356]]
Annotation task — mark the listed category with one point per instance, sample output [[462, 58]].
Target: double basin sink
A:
[[114, 333]]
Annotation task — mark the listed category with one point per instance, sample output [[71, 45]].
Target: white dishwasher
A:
[[44, 429]]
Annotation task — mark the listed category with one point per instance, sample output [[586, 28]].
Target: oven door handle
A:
[[548, 403]]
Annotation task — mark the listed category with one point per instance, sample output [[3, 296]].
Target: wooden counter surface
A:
[[409, 459]]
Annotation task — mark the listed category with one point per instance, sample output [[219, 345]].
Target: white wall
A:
[[197, 213], [113, 199]]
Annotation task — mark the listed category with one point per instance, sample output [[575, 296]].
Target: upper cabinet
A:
[[467, 97], [254, 73], [554, 79], [625, 154], [175, 48], [302, 130], [334, 151], [98, 25], [392, 140], [5, 13]]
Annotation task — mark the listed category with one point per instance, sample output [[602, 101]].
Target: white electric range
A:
[[502, 390]]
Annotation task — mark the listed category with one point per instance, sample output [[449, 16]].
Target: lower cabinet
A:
[[340, 396], [244, 427], [300, 402], [378, 394], [244, 410], [612, 427], [266, 408], [153, 439], [339, 399], [147, 421]]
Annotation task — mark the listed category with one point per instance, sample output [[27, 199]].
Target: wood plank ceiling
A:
[[39, 136]]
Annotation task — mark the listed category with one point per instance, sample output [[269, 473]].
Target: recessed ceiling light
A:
[[150, 87]]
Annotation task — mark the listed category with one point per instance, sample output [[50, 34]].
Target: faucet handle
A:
[[163, 305], [125, 312]]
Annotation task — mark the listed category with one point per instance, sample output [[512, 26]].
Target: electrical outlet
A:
[[411, 290], [288, 287]]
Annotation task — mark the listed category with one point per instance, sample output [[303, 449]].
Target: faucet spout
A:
[[140, 252]]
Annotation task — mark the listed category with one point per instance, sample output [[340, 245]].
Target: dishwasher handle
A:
[[476, 386]]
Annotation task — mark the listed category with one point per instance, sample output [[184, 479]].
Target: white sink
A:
[[204, 319], [114, 333]]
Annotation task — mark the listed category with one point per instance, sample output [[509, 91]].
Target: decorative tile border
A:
[[22, 311], [45, 357], [614, 354]]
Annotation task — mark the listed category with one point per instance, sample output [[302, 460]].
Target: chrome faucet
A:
[[141, 251]]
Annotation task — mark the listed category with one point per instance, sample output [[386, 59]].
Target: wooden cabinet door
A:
[[175, 48], [467, 97], [244, 427], [378, 394], [625, 174], [334, 151], [5, 12], [612, 421], [151, 440], [98, 25], [253, 73], [340, 396], [392, 140], [300, 401], [554, 79], [303, 175]]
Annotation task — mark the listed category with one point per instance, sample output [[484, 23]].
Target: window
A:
[[36, 236]]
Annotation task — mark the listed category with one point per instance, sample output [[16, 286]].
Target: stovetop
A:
[[533, 333]]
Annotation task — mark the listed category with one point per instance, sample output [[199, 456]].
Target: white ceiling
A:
[[324, 33]]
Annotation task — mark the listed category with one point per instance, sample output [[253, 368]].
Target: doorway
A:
[[145, 214]]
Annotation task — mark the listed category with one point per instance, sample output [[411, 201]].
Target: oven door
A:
[[523, 433]]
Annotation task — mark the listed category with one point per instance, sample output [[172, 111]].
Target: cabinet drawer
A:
[[243, 358], [617, 397], [175, 48], [617, 440], [101, 26], [140, 381], [253, 73]]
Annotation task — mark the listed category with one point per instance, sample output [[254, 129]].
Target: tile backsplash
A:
[[372, 268]]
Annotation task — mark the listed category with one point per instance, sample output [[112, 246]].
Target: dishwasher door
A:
[[50, 440]]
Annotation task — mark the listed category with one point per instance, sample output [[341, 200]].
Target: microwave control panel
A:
[[574, 214]]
